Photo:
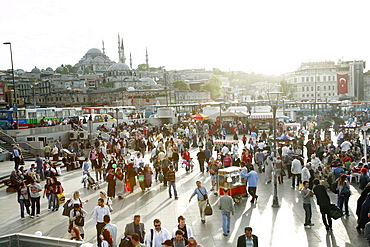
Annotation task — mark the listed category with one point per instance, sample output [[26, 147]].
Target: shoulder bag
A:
[[80, 220]]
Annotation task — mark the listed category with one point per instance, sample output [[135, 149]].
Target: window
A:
[[302, 79], [307, 79], [311, 78], [302, 89], [324, 88], [311, 88], [324, 78], [317, 78], [307, 89], [328, 87]]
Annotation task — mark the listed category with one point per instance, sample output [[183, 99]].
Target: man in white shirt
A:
[[157, 236], [284, 151], [296, 170], [261, 145], [346, 145], [137, 162], [224, 151], [99, 212]]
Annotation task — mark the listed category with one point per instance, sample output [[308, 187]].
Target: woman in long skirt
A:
[[148, 174], [119, 183], [111, 183]]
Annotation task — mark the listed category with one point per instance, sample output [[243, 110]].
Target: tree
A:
[[214, 87], [181, 85]]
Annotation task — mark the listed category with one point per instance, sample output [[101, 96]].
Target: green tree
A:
[[181, 85], [214, 86]]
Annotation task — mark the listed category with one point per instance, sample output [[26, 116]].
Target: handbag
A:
[[345, 190], [26, 202], [204, 196], [127, 186], [208, 211], [335, 212], [79, 221], [140, 178], [61, 198], [67, 209]]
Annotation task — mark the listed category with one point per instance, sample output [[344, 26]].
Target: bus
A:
[[123, 111], [30, 117], [182, 109]]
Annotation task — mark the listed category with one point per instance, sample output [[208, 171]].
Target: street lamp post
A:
[[14, 91], [274, 96]]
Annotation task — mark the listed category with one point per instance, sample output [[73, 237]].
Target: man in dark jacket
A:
[[323, 200], [201, 158], [136, 227], [247, 237]]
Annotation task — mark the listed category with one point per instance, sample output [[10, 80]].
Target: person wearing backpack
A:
[[344, 193], [77, 216]]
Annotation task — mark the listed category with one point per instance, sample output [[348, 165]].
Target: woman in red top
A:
[[247, 155], [186, 156], [227, 161]]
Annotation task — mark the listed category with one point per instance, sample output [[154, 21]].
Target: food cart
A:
[[231, 179]]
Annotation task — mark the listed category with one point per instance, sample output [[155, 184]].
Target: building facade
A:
[[320, 80]]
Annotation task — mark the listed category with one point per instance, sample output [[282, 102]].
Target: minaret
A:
[[119, 49], [147, 60], [103, 47], [123, 58], [130, 61]]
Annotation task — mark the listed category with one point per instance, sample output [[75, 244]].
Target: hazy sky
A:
[[271, 37]]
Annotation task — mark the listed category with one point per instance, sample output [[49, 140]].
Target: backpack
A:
[[345, 190], [333, 187], [79, 221]]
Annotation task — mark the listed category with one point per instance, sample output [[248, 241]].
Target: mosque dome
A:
[[49, 69], [119, 67], [35, 70], [130, 89], [94, 51]]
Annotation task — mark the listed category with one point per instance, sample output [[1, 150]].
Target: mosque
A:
[[120, 74]]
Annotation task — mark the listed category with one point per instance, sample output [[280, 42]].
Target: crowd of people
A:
[[314, 164]]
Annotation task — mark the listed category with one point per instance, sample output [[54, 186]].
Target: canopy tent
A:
[[292, 125], [225, 114], [226, 142], [199, 116], [265, 115], [283, 117]]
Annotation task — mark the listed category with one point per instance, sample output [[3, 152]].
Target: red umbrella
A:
[[199, 116]]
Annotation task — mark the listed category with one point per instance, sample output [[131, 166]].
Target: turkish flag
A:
[[342, 83], [132, 99], [147, 99]]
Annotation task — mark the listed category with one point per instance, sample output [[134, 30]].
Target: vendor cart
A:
[[231, 179]]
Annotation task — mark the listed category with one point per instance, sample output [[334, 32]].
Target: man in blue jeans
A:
[[171, 178], [226, 205]]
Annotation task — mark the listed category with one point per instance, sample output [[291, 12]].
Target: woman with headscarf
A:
[[119, 176], [111, 183]]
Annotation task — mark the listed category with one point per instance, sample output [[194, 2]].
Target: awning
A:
[[266, 115], [226, 142], [292, 125]]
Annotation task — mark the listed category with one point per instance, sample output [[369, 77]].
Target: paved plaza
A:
[[281, 226]]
